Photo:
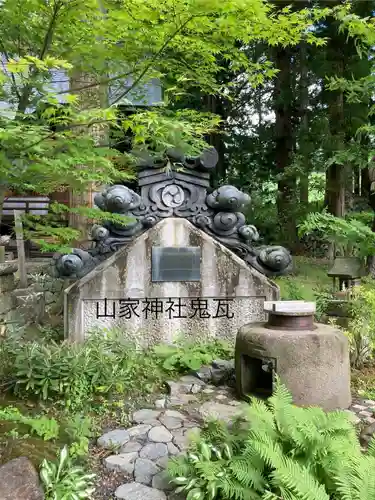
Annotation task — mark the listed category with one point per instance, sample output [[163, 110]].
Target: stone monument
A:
[[181, 261], [312, 360]]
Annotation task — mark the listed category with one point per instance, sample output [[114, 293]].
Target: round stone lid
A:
[[290, 307]]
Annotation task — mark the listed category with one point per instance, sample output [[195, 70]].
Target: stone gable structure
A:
[[179, 244]]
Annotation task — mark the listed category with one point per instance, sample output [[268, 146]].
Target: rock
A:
[[358, 408], [218, 411], [161, 481], [365, 414], [161, 403], [188, 424], [177, 388], [196, 389], [144, 470], [139, 431], [163, 462], [221, 397], [353, 417], [176, 496], [180, 439], [131, 447], [123, 462], [171, 422], [234, 403], [137, 491], [114, 439], [208, 391], [153, 451], [223, 364], [8, 268], [160, 434], [49, 297], [189, 379], [204, 373], [174, 414], [172, 449], [182, 399], [186, 385], [146, 416], [20, 481]]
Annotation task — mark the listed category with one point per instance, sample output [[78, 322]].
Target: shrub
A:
[[64, 481], [279, 451], [76, 374], [361, 328], [185, 356]]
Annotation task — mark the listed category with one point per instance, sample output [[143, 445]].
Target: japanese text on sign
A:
[[170, 308]]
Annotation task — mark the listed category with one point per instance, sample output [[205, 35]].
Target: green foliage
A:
[[361, 328], [351, 235], [278, 451], [77, 375], [184, 356], [80, 430], [62, 480], [42, 426]]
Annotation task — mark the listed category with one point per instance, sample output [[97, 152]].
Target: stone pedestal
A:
[[312, 360]]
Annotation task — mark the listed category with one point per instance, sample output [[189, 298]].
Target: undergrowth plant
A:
[[76, 375], [185, 356], [42, 426], [361, 327], [62, 480], [279, 451]]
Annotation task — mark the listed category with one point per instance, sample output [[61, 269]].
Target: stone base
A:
[[314, 364]]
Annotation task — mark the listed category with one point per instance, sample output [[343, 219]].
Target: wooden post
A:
[[20, 249], [2, 254]]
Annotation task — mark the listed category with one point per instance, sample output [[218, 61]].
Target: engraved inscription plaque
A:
[[175, 264]]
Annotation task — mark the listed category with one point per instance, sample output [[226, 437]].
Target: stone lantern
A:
[[346, 273]]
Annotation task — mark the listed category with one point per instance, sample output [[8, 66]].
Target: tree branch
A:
[[154, 58]]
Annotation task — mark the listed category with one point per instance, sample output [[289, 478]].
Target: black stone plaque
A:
[[175, 264]]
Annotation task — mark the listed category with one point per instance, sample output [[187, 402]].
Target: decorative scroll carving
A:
[[177, 191]]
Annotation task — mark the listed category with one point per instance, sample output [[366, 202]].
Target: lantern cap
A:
[[347, 268]]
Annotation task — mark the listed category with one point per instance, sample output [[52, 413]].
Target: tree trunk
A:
[[284, 146], [304, 129], [92, 97]]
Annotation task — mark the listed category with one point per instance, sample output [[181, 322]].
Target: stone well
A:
[[312, 360]]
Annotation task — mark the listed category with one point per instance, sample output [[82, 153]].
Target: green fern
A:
[[277, 451]]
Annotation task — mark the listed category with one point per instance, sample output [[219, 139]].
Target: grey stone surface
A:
[[160, 434], [122, 462], [313, 364], [180, 439], [137, 491], [161, 403], [145, 416], [218, 410], [171, 422], [161, 481], [153, 451], [162, 462], [139, 431], [130, 447], [172, 449], [174, 414], [145, 470], [357, 408], [127, 273], [20, 481], [114, 439]]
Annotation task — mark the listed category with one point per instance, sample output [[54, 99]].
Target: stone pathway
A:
[[161, 432]]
